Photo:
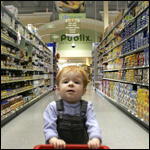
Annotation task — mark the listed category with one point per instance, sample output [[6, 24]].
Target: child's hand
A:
[[58, 143], [94, 143]]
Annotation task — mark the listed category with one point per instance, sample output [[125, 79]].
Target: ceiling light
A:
[[55, 36]]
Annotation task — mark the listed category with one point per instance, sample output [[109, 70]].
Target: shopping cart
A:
[[68, 146]]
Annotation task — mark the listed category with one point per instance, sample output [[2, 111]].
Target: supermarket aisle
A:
[[118, 130]]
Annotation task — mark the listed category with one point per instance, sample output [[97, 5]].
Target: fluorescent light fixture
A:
[[50, 26], [62, 61], [52, 36], [55, 36]]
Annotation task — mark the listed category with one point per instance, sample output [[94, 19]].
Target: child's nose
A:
[[71, 83]]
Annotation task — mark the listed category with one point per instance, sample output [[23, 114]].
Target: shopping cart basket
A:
[[68, 146]]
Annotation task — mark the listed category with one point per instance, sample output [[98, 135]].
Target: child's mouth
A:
[[70, 91]]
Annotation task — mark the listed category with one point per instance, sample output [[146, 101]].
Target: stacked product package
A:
[[143, 104]]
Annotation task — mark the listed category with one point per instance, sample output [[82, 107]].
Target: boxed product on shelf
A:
[[129, 76], [116, 91], [143, 104], [112, 90], [146, 51], [30, 27], [13, 10], [145, 76], [6, 18], [138, 75], [27, 98], [145, 4], [108, 88], [41, 47], [36, 91], [100, 85], [36, 83], [20, 29], [5, 107]]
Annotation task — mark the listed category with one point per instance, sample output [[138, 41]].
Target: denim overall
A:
[[71, 128]]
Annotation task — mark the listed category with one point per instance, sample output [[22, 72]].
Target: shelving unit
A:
[[26, 66], [87, 70], [53, 47], [122, 63], [94, 62]]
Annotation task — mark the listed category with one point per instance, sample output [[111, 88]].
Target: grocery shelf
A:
[[7, 54], [126, 39], [17, 111], [107, 43], [132, 36], [135, 51], [143, 84], [135, 18], [135, 3], [127, 68], [21, 91], [8, 28], [6, 41], [18, 69], [21, 80], [129, 53], [125, 109], [27, 47], [109, 60]]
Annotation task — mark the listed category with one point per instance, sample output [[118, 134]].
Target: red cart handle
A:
[[68, 146]]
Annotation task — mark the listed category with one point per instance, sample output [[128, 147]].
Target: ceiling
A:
[[92, 7], [40, 13]]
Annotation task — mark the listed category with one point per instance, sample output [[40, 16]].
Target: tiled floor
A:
[[118, 130]]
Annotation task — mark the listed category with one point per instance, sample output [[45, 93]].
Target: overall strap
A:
[[59, 105], [83, 107]]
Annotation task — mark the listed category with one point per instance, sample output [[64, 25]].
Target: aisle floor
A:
[[119, 131]]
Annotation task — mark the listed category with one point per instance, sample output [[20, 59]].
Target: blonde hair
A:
[[74, 69]]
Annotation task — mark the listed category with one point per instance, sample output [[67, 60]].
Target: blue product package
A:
[[145, 53], [131, 44], [147, 37], [146, 16], [148, 56], [123, 35], [144, 41], [133, 94], [130, 87], [140, 37], [134, 43], [143, 19]]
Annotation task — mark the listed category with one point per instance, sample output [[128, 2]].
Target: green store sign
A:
[[81, 38], [72, 15]]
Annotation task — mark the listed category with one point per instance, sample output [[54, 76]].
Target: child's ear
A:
[[84, 90], [58, 90]]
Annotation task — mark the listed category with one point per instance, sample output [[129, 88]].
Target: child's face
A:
[[71, 87]]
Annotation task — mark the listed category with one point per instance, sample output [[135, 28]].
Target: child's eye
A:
[[76, 82], [65, 81]]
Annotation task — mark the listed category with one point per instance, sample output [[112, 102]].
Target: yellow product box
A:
[[147, 113], [3, 48], [145, 4], [138, 111], [12, 107]]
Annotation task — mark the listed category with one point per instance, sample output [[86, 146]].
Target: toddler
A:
[[71, 120]]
